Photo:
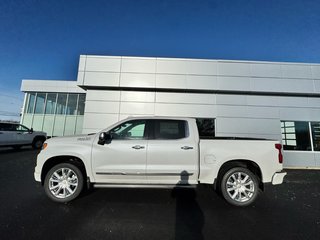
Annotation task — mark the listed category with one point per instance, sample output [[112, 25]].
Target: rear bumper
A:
[[278, 178]]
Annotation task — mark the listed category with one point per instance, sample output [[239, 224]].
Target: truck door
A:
[[6, 134], [172, 156], [123, 159], [23, 135]]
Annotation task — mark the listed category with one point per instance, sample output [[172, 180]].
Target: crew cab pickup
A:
[[158, 152], [16, 135]]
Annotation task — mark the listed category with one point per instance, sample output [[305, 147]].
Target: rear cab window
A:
[[206, 128]]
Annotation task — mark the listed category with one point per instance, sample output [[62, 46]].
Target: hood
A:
[[72, 138], [40, 133]]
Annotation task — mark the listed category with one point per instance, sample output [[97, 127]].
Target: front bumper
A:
[[278, 178], [37, 176]]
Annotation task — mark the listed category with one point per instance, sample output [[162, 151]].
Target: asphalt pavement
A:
[[288, 211]]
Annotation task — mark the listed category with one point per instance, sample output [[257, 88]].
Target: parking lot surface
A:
[[288, 211]]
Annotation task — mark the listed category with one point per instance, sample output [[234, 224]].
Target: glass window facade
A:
[[30, 105], [55, 103], [55, 113], [315, 128], [296, 136], [51, 103], [40, 100], [72, 104]]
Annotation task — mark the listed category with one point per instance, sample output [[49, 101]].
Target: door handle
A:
[[138, 147], [186, 148]]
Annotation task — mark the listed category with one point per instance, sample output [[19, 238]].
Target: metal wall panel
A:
[[185, 110], [186, 98], [202, 67], [234, 69], [297, 114], [170, 81], [296, 71], [82, 63], [282, 85], [262, 100], [315, 72], [298, 159], [108, 79], [131, 96], [103, 64], [317, 159], [234, 83], [138, 65], [94, 121], [102, 95], [201, 82], [132, 108], [138, 80], [266, 70], [101, 107], [231, 99], [171, 66]]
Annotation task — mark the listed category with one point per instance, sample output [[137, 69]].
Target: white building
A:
[[243, 99]]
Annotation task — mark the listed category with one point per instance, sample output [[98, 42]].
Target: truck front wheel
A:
[[239, 186], [63, 182]]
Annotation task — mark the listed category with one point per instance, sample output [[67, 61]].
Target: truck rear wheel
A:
[[64, 182], [239, 186]]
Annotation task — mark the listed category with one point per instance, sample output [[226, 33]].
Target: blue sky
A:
[[42, 39]]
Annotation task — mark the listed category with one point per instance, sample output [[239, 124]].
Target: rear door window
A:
[[7, 127], [170, 129]]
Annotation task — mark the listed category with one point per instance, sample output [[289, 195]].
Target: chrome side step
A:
[[163, 186]]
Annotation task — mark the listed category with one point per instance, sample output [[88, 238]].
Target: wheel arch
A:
[[51, 162], [249, 164]]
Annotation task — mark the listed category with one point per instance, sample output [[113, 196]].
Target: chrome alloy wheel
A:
[[63, 183], [240, 187]]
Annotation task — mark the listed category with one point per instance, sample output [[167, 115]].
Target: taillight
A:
[[279, 147]]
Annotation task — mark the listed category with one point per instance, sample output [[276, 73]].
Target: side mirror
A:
[[31, 130], [104, 138]]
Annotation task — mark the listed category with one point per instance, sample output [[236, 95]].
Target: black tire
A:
[[59, 197], [37, 142], [237, 193]]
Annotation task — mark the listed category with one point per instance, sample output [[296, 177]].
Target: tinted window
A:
[[315, 127], [170, 129], [296, 135], [129, 130], [6, 127], [206, 128]]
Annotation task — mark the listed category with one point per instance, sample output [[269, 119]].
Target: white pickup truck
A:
[[158, 152], [16, 135]]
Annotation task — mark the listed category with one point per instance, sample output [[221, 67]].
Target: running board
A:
[[164, 186]]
